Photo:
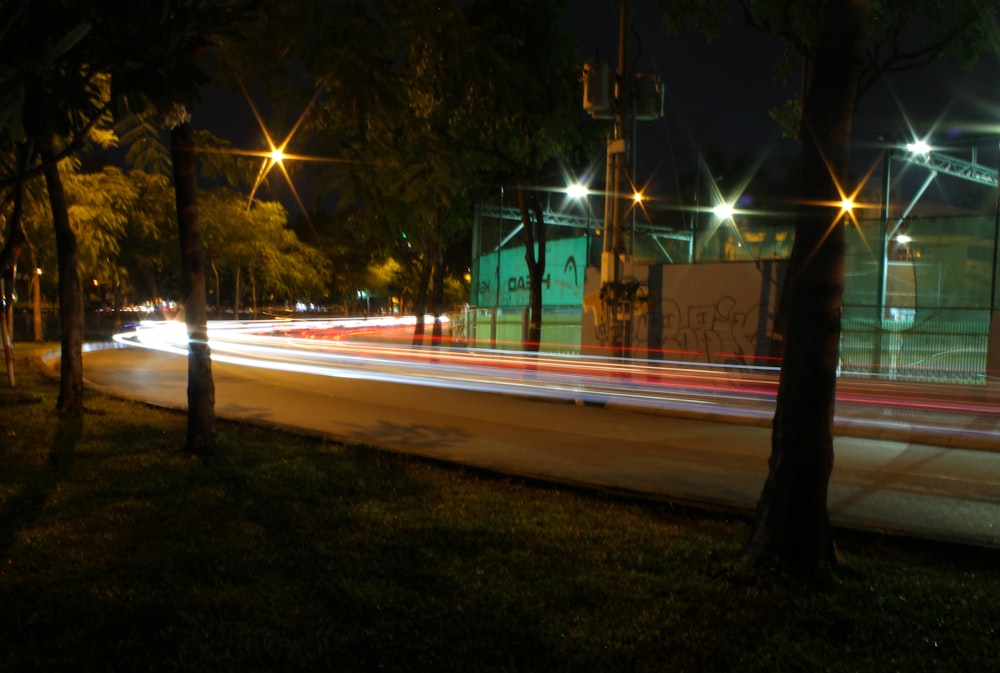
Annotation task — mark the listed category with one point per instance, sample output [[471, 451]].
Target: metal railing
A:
[[931, 351]]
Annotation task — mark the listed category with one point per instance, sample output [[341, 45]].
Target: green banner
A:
[[501, 278]]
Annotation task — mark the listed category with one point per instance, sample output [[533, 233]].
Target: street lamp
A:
[[577, 190], [723, 211]]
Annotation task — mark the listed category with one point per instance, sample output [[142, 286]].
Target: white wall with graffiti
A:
[[720, 313], [716, 313]]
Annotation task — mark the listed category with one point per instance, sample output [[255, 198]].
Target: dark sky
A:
[[718, 95], [712, 98]]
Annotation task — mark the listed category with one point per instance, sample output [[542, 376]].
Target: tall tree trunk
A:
[[437, 296], [236, 295], [15, 238], [36, 299], [15, 241], [201, 387], [792, 522], [253, 294], [420, 302], [534, 255], [70, 401], [218, 291]]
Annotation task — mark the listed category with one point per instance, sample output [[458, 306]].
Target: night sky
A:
[[718, 95]]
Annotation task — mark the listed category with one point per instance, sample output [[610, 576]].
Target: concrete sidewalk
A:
[[894, 486]]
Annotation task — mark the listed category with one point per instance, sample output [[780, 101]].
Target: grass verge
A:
[[282, 553]]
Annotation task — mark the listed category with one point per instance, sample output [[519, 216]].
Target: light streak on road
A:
[[379, 349]]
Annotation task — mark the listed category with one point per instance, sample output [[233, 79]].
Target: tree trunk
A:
[[70, 401], [218, 291], [420, 302], [236, 296], [115, 303], [534, 255], [437, 298], [15, 239], [36, 300], [792, 522], [201, 387], [253, 294]]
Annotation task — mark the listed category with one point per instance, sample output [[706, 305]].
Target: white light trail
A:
[[379, 349]]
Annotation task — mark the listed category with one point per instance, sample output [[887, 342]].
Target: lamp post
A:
[[637, 199]]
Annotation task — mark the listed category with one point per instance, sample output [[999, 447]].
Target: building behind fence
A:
[[920, 295]]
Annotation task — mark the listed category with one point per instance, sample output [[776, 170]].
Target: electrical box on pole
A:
[[599, 90], [648, 92]]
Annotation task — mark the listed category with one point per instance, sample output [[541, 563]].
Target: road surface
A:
[[902, 487]]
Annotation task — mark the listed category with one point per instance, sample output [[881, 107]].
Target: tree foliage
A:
[[256, 246], [418, 103]]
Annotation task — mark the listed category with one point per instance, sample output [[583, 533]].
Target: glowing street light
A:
[[919, 147], [723, 211], [577, 191]]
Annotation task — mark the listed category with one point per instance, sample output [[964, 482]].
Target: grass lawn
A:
[[283, 553]]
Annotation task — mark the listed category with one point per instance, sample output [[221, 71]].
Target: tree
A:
[[844, 46], [150, 253], [156, 51], [521, 111], [99, 203], [52, 100], [422, 100], [349, 242], [257, 241], [14, 241], [401, 114], [30, 229]]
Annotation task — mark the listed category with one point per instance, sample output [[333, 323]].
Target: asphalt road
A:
[[899, 487]]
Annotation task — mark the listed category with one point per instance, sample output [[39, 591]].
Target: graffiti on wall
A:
[[719, 314], [719, 332]]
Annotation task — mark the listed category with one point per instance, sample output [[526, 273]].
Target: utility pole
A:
[[630, 97], [614, 312]]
